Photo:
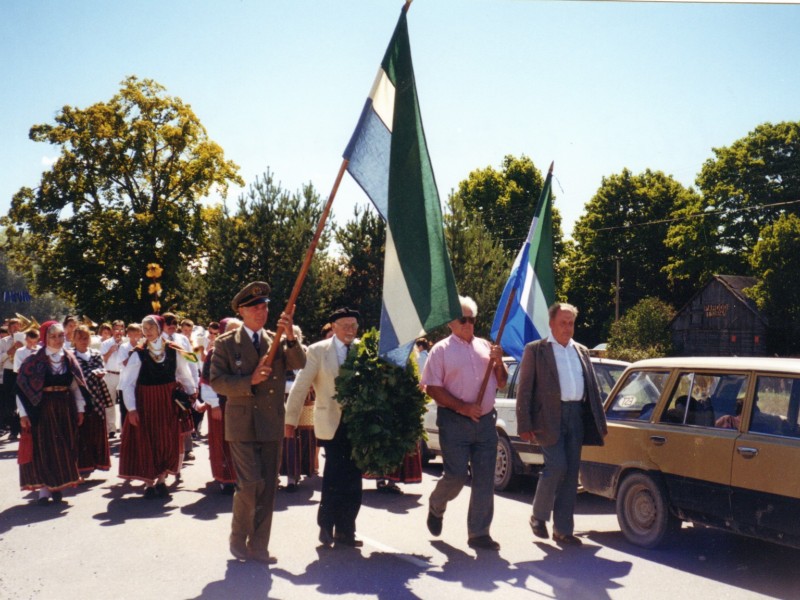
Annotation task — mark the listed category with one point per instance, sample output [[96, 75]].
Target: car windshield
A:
[[638, 395]]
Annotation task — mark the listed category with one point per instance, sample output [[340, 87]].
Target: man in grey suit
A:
[[559, 407], [254, 415], [341, 478]]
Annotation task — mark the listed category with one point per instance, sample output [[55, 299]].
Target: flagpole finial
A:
[[407, 5], [550, 172]]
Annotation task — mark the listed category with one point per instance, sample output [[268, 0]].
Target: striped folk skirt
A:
[[93, 452], [408, 472], [299, 456], [219, 451], [154, 448], [54, 463]]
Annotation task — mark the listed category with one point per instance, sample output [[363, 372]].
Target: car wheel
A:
[[504, 476], [643, 512]]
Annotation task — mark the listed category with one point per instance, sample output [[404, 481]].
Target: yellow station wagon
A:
[[714, 441]]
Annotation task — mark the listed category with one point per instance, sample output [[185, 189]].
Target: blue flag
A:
[[531, 284]]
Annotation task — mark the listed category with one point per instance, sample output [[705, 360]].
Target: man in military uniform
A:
[[254, 415]]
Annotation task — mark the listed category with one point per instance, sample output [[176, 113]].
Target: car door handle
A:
[[747, 452], [658, 440]]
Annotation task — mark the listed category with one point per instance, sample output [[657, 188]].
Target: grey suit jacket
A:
[[252, 413], [539, 396]]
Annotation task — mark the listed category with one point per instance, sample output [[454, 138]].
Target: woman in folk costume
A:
[[93, 450], [152, 447], [219, 451], [51, 396], [299, 453]]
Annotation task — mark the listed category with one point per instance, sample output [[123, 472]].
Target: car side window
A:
[[707, 400], [775, 407], [509, 390], [637, 396]]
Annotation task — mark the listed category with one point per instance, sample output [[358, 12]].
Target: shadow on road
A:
[[346, 571], [743, 562], [243, 581]]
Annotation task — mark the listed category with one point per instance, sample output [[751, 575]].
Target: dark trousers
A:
[[557, 488], [8, 403], [341, 486]]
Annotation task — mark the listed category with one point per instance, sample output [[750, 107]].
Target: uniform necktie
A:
[[256, 342]]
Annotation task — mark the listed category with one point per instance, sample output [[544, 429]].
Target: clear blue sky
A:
[[594, 86]]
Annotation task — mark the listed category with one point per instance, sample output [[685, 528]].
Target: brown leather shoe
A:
[[238, 549], [262, 556], [566, 540]]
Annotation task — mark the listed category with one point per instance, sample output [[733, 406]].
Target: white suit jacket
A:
[[321, 370]]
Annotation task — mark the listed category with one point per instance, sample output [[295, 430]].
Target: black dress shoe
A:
[[539, 528], [43, 501], [434, 524], [326, 536], [484, 542], [150, 493], [566, 540], [348, 540], [161, 490], [57, 497]]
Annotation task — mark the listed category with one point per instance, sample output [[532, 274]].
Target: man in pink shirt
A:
[[453, 376]]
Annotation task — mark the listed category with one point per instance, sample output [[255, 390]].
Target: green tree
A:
[[625, 221], [123, 193], [363, 243], [743, 180], [480, 265], [642, 332], [776, 260], [267, 239], [504, 200]]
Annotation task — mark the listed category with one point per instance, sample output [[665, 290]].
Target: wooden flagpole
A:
[[301, 276]]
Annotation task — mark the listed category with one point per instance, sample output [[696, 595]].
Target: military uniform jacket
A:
[[252, 413], [539, 396]]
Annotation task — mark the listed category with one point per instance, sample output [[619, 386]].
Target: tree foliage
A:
[[626, 220], [480, 265], [363, 243], [642, 332], [124, 192], [504, 200], [751, 184], [776, 259], [267, 239]]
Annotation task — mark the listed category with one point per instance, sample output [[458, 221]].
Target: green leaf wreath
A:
[[382, 407]]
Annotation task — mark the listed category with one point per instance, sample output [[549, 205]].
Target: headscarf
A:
[[43, 331], [156, 347]]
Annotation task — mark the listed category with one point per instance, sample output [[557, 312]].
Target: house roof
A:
[[735, 284]]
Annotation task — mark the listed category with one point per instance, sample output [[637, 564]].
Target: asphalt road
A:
[[106, 541]]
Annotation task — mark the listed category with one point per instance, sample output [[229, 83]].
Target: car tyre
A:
[[643, 511], [504, 473]]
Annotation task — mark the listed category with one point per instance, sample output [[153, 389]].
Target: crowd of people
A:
[[271, 403]]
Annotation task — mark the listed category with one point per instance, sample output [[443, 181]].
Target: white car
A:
[[515, 457]]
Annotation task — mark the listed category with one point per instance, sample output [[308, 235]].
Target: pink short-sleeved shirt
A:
[[459, 367]]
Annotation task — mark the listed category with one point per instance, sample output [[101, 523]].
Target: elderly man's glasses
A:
[[465, 320]]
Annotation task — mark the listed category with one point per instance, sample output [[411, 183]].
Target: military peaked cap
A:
[[256, 292]]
